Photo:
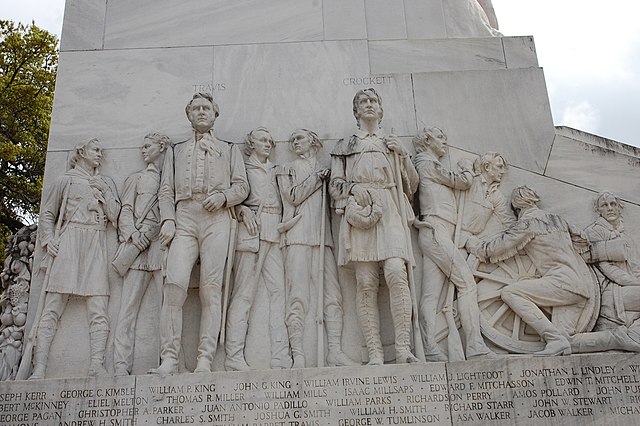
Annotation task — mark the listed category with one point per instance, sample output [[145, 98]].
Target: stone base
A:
[[576, 390]]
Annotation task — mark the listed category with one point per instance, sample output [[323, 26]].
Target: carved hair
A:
[[159, 138], [203, 95], [523, 197], [78, 151], [606, 194], [424, 138], [316, 143], [248, 140], [481, 164], [370, 93]]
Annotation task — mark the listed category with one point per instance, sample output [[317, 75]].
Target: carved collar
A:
[[378, 133], [619, 230]]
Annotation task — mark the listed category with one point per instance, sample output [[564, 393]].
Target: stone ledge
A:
[[512, 390]]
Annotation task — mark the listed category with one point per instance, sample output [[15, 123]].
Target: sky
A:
[[590, 54]]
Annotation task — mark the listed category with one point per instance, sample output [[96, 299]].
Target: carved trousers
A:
[[525, 298], [367, 282], [134, 287], [203, 234], [442, 262], [246, 282], [302, 284], [54, 304]]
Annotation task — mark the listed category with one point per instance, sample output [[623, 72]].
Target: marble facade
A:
[[128, 68]]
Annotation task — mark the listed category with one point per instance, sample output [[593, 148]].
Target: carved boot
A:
[[336, 357], [98, 345], [170, 338], [598, 341], [367, 307], [297, 348], [210, 296], [401, 314], [557, 343], [41, 351]]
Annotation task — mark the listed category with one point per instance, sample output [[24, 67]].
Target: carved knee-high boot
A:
[[401, 314], [597, 341], [210, 297], [98, 344], [170, 338], [46, 332], [335, 356], [367, 307], [297, 346]]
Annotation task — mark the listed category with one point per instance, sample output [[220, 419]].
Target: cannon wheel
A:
[[500, 325]]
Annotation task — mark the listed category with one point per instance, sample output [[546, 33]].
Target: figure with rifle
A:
[[140, 256], [441, 259], [258, 258], [310, 266], [73, 223], [203, 177], [365, 188]]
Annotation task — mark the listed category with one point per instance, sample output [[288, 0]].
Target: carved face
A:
[[301, 144], [201, 115], [438, 144], [609, 209], [92, 154], [150, 151], [495, 170], [262, 144], [368, 107]]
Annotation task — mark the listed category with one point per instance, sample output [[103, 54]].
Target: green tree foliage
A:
[[28, 64]]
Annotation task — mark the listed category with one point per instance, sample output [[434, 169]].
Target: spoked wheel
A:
[[500, 325]]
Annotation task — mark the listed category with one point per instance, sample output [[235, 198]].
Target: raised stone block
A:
[[506, 111], [425, 19], [344, 19], [520, 52], [85, 30], [385, 19], [417, 56], [202, 22]]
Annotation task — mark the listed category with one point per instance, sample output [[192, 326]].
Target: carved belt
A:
[[271, 210], [78, 225]]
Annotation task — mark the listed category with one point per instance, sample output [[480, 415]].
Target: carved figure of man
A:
[[547, 240], [300, 184], [618, 259], [372, 232], [483, 200], [139, 226], [260, 213], [441, 259], [201, 180], [73, 223]]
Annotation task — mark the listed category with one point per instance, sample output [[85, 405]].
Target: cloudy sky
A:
[[589, 49]]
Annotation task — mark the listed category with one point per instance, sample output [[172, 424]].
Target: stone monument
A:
[[346, 225]]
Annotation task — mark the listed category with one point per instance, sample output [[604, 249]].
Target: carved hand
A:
[[361, 195], [167, 232], [465, 164], [324, 174], [214, 202], [251, 222], [474, 246], [52, 248], [140, 240], [393, 143]]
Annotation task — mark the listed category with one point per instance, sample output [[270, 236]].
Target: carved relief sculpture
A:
[[258, 257], [564, 281], [310, 274], [203, 177], [16, 278], [441, 259], [363, 185], [617, 258], [139, 257], [470, 18], [73, 222]]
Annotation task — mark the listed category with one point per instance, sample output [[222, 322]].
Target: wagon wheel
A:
[[500, 325]]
